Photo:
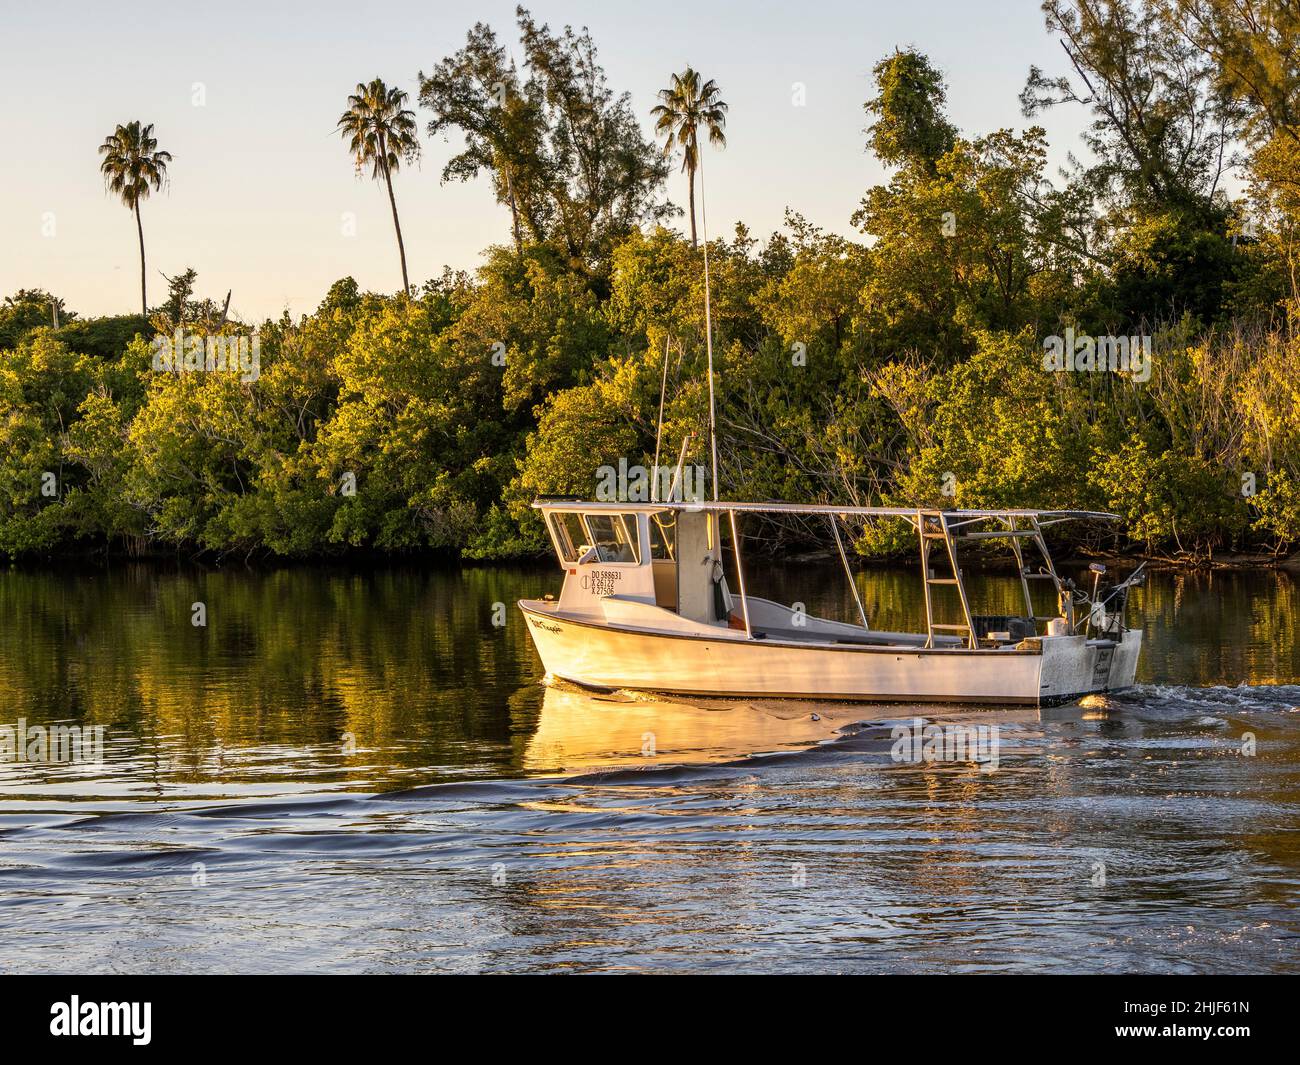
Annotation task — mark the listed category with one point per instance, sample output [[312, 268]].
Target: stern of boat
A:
[[1074, 666]]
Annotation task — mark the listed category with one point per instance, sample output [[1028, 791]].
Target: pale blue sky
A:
[[260, 179]]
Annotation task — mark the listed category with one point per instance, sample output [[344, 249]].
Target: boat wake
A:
[[1176, 699]]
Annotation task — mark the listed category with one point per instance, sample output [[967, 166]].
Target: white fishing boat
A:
[[647, 605]]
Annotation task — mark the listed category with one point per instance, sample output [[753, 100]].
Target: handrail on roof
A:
[[724, 507]]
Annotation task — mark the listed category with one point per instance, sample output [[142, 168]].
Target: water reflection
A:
[[580, 730]]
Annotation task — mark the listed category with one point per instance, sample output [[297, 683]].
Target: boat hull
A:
[[600, 655]]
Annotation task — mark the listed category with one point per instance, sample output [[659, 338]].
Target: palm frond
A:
[[131, 165], [686, 106], [381, 132]]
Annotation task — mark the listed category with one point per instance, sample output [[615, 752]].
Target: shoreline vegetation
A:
[[1122, 336]]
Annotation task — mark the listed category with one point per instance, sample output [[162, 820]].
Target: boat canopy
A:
[[1043, 517]]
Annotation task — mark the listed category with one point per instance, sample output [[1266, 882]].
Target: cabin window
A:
[[570, 534], [663, 537], [614, 537], [608, 538]]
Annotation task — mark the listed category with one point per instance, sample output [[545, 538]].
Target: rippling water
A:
[[361, 772]]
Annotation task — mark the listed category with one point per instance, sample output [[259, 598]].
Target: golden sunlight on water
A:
[[369, 774], [581, 730]]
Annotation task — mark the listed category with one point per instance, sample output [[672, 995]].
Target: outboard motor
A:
[[1108, 601]]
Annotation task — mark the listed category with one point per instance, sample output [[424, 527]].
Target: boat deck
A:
[[871, 639]]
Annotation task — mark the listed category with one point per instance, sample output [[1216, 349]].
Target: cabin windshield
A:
[[609, 538]]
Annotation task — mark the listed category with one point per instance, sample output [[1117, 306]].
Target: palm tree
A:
[[687, 105], [383, 134], [133, 167]]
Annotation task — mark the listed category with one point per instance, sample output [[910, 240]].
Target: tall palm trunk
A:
[[694, 243], [401, 247], [139, 226]]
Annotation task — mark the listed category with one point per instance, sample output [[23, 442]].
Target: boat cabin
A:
[[667, 557]]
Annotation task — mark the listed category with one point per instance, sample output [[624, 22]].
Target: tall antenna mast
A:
[[708, 329], [659, 432]]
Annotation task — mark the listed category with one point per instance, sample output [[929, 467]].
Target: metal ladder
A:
[[924, 524]]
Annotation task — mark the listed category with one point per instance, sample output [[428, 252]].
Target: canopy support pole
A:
[[740, 575], [853, 585], [925, 577], [1020, 569]]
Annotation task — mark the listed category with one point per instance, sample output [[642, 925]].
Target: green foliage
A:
[[1252, 45], [1167, 497], [41, 387], [908, 124], [104, 338], [1169, 263], [956, 250], [1278, 509], [907, 368], [992, 431], [1160, 134], [28, 309]]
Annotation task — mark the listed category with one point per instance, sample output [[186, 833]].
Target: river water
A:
[[346, 771]]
